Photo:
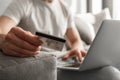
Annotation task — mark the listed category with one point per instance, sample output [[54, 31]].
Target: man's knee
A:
[[109, 73]]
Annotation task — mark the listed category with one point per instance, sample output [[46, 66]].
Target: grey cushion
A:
[[39, 67], [99, 17]]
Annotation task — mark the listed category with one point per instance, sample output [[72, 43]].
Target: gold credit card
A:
[[51, 42]]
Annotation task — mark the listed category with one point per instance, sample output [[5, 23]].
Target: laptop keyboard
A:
[[67, 63]]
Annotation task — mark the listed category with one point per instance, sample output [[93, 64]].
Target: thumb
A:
[[65, 57], [68, 55]]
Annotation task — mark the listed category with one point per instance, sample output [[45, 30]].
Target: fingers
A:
[[73, 54], [26, 36], [65, 57], [13, 53], [13, 50], [77, 53], [84, 53], [12, 38], [23, 51]]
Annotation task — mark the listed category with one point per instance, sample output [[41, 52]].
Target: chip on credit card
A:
[[51, 42]]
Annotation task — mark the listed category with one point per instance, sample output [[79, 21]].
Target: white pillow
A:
[[85, 29], [99, 17], [88, 17], [96, 19]]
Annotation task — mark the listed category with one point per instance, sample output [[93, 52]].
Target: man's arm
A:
[[15, 41], [75, 43], [6, 24], [73, 38]]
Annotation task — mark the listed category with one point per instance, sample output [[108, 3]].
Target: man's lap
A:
[[105, 73]]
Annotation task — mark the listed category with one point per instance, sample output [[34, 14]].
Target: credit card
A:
[[51, 42]]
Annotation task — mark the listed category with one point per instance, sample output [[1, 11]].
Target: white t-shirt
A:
[[37, 15]]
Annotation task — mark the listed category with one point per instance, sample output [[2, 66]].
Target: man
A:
[[49, 16], [24, 17]]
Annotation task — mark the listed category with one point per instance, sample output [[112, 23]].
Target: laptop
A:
[[104, 51]]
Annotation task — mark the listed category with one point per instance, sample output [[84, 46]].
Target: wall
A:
[[95, 6]]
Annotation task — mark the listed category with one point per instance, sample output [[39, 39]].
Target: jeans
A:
[[104, 73]]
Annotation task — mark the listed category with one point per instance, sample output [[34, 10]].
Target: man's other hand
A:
[[80, 54]]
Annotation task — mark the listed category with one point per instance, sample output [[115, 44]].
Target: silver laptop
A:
[[105, 49]]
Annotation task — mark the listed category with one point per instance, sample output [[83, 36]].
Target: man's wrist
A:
[[78, 46]]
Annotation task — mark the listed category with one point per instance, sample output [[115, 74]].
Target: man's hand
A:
[[75, 44], [21, 43], [75, 53]]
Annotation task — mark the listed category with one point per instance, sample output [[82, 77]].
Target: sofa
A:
[[39, 67], [43, 66]]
